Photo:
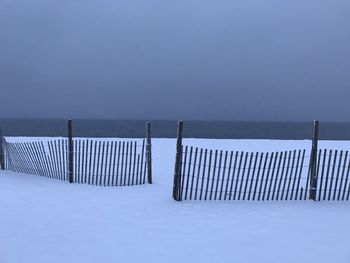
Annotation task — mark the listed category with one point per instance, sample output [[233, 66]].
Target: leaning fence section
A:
[[204, 174], [90, 161], [96, 162], [38, 158], [223, 175]]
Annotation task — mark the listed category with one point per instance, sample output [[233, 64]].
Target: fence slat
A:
[[91, 165], [299, 178], [333, 174], [286, 175], [113, 162], [42, 159], [188, 172], [343, 173], [86, 161], [278, 175], [322, 173], [32, 169], [263, 175], [208, 175], [76, 149], [15, 164], [327, 175], [59, 161], [272, 175], [124, 161], [37, 159], [289, 191], [30, 159], [233, 177], [46, 160], [211, 180], [11, 161], [97, 163], [142, 156], [282, 173], [106, 164], [101, 162], [252, 175], [203, 175], [21, 164], [198, 173], [34, 161], [42, 148], [81, 160], [194, 172], [137, 169], [261, 156], [134, 166], [129, 172], [182, 170], [242, 175], [228, 175], [55, 159], [268, 175], [295, 175], [337, 178], [223, 176], [118, 162], [52, 158], [246, 181], [217, 180], [94, 163], [59, 153]]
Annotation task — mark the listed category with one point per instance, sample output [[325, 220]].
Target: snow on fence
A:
[[203, 174], [89, 161]]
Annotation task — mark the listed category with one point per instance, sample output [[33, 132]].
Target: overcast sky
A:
[[188, 59]]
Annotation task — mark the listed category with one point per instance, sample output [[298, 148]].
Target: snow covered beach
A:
[[45, 220]]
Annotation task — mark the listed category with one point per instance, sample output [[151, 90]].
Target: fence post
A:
[[2, 156], [313, 163], [70, 151], [149, 152], [177, 175]]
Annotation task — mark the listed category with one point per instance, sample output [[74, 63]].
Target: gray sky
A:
[[162, 59]]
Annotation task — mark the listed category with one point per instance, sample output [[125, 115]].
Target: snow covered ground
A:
[[44, 220]]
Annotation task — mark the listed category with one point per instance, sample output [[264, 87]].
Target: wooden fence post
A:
[[2, 156], [313, 163], [70, 151], [177, 175], [149, 152]]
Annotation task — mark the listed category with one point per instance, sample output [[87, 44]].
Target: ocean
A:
[[168, 129]]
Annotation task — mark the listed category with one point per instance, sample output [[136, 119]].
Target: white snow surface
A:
[[45, 220]]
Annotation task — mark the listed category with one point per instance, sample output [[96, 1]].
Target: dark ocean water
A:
[[168, 129]]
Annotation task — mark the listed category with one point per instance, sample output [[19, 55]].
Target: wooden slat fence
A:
[[205, 174], [333, 169], [38, 158], [109, 163], [228, 175], [96, 162]]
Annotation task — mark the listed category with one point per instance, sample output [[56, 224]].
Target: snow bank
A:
[[45, 220]]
